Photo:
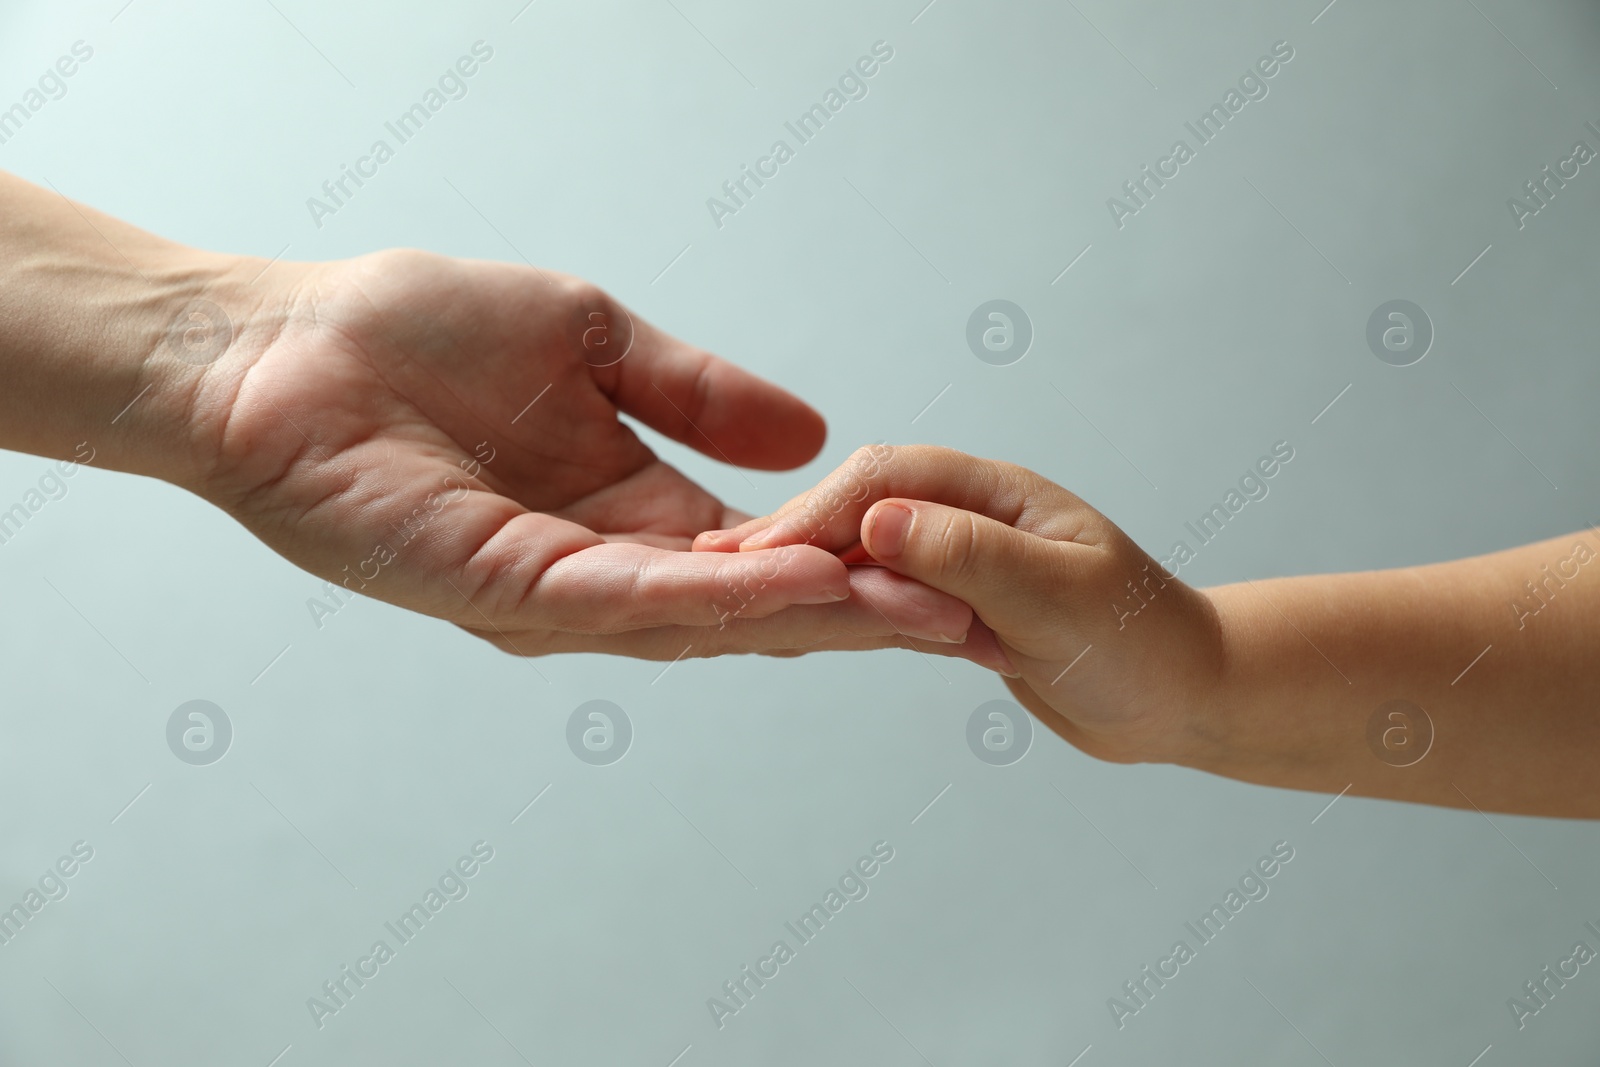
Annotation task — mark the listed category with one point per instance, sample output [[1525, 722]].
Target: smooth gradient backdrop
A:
[[1172, 345]]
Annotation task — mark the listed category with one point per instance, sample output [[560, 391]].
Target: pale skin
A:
[[352, 396], [1274, 681]]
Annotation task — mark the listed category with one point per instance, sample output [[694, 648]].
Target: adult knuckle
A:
[[400, 259], [582, 293], [697, 399]]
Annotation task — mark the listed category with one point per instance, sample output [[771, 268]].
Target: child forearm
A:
[[1468, 684], [1494, 659]]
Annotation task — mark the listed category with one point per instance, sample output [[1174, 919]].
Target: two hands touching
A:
[[1277, 682], [461, 395], [1043, 573], [441, 434], [446, 435]]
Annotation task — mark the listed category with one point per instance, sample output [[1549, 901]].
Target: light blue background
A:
[[1220, 319]]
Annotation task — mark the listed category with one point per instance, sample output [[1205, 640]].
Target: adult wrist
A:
[[206, 319], [101, 359]]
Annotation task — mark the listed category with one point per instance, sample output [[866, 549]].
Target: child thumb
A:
[[1011, 578]]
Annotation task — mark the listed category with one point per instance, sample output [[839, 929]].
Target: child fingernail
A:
[[827, 596], [759, 539], [886, 535], [943, 639]]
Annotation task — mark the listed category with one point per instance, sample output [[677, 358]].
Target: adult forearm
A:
[[103, 334], [1471, 683]]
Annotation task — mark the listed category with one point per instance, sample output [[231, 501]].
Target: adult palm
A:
[[444, 435]]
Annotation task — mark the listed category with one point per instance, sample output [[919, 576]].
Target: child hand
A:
[[1118, 658]]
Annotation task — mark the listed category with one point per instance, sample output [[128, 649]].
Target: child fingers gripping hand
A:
[[1471, 683], [1099, 642]]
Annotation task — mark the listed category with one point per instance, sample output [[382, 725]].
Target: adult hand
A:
[[438, 433], [444, 435]]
